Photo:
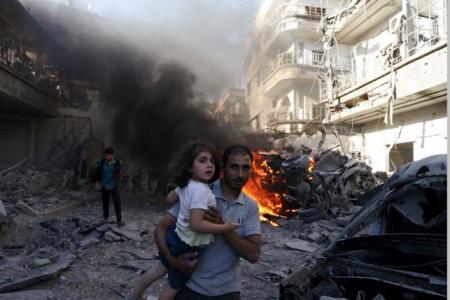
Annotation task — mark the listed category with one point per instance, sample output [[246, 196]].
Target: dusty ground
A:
[[107, 270]]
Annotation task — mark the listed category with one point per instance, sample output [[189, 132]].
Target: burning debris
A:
[[309, 187]]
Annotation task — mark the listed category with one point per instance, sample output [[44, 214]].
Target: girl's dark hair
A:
[[183, 161]]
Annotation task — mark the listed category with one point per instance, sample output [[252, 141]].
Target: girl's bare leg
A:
[[168, 293], [146, 279]]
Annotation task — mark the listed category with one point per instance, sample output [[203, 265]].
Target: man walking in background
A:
[[107, 176]]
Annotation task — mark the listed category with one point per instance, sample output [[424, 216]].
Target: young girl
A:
[[196, 165]]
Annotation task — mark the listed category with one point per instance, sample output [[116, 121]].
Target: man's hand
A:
[[213, 215], [185, 263]]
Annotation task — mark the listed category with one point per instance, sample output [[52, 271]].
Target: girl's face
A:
[[203, 167]]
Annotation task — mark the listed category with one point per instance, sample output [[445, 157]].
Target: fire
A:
[[311, 165], [270, 202], [268, 185]]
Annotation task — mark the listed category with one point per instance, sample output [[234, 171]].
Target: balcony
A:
[[366, 101], [304, 58], [281, 116], [364, 15], [289, 28], [14, 61], [427, 33], [27, 88]]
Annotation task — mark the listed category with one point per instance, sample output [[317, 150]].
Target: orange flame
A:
[[263, 176], [311, 165], [269, 202]]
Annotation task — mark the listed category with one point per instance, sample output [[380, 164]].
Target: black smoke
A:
[[154, 109], [151, 106]]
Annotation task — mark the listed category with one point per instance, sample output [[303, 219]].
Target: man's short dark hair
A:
[[236, 149], [109, 151]]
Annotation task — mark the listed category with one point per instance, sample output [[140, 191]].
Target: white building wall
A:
[[426, 128]]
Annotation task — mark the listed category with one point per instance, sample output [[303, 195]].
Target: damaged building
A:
[[30, 90], [391, 45], [282, 61], [358, 77], [49, 109]]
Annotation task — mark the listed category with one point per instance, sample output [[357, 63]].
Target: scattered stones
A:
[[330, 226], [3, 213], [294, 224], [47, 273], [139, 254], [300, 245], [27, 295], [39, 262], [128, 234], [22, 206], [89, 241], [343, 221], [103, 228], [315, 236], [111, 237]]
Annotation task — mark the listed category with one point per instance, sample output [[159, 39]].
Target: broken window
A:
[[400, 154], [315, 11]]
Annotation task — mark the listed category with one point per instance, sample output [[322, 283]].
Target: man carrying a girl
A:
[[209, 229]]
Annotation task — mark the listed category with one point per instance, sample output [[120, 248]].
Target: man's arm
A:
[[183, 263], [248, 247], [199, 224]]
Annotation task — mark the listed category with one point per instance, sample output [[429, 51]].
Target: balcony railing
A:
[[344, 81], [15, 61], [304, 58], [307, 113], [302, 8]]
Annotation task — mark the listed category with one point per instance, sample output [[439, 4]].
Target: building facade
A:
[[396, 91], [283, 57], [375, 67], [47, 110], [29, 89]]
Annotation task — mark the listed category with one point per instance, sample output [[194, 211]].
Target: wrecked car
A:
[[394, 247]]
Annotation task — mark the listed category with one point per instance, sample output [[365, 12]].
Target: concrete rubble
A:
[[394, 247], [60, 250], [73, 255], [37, 192]]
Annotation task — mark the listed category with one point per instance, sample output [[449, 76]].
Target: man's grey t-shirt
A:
[[219, 272]]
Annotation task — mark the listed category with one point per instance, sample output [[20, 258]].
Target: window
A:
[[317, 58], [315, 11]]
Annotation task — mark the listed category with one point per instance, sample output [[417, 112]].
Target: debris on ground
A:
[[393, 248]]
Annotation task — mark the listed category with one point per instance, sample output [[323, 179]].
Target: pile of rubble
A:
[[53, 244], [343, 178], [393, 248], [37, 192]]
